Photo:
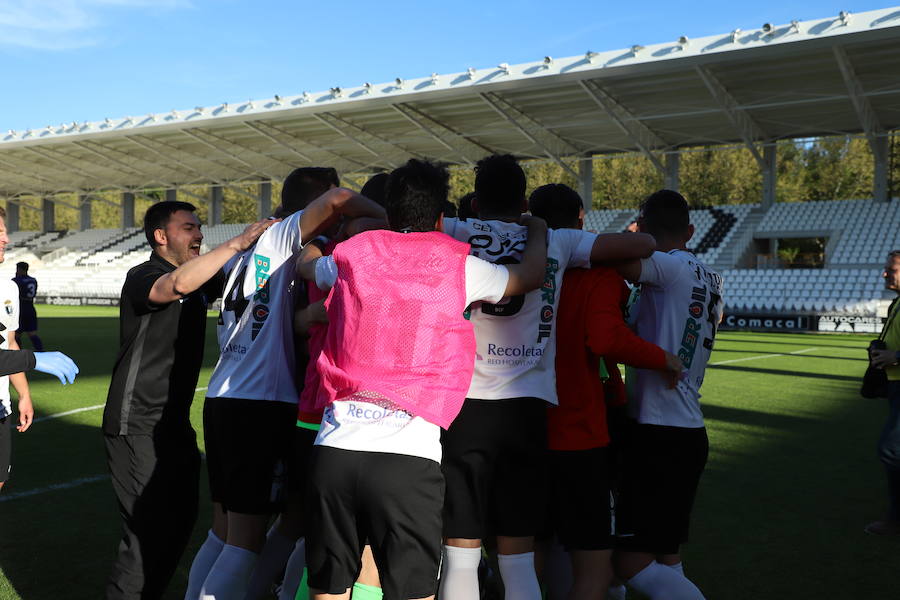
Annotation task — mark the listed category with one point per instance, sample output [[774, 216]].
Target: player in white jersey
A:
[[250, 408], [9, 323], [678, 306], [494, 453]]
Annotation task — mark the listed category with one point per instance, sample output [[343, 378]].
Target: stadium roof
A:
[[822, 77]]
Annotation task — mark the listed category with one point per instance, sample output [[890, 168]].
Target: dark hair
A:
[[499, 185], [448, 208], [2, 213], [158, 215], [557, 204], [665, 213], [465, 207], [304, 185], [374, 189], [22, 265], [415, 194], [894, 254]]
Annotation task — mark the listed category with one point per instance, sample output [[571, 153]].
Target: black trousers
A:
[[156, 481]]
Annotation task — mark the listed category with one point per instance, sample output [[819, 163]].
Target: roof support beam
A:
[[867, 117], [642, 136], [66, 165], [443, 134], [746, 127], [343, 164], [536, 133], [869, 120], [202, 137], [170, 153], [261, 131], [241, 147], [94, 149], [375, 145]]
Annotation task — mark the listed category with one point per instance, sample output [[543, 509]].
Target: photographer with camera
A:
[[886, 356]]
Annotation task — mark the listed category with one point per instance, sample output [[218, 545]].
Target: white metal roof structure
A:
[[828, 76]]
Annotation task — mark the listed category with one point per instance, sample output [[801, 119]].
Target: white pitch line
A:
[[52, 488], [734, 360], [69, 484], [68, 412], [86, 408]]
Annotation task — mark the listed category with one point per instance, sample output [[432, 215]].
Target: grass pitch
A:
[[791, 480]]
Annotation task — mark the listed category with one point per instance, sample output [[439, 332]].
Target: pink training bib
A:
[[307, 410], [396, 325]]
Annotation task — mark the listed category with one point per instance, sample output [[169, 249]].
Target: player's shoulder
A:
[[9, 288]]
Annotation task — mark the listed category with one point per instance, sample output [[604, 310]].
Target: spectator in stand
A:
[[889, 360]]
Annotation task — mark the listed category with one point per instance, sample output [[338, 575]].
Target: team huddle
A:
[[409, 405]]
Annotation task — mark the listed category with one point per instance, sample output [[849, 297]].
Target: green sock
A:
[[302, 589], [366, 592]]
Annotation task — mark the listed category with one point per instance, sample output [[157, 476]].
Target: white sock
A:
[[659, 582], [230, 575], [519, 578], [616, 592], [270, 566], [293, 572], [679, 566], [459, 573], [203, 562]]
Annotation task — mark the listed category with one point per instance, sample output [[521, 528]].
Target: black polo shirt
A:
[[160, 354]]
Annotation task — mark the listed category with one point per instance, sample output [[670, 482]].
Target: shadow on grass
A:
[[788, 373], [750, 352], [804, 344], [60, 543], [784, 498]]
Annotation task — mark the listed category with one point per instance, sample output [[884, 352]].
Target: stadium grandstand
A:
[[830, 76]]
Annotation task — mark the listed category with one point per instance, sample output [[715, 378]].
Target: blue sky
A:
[[77, 60]]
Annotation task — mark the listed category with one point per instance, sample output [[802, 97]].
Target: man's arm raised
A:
[[614, 247], [529, 274], [324, 211], [191, 276]]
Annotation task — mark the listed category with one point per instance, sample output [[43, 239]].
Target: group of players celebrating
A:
[[417, 399]]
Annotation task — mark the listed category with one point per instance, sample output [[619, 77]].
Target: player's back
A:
[[677, 307], [27, 287], [255, 330], [516, 338]]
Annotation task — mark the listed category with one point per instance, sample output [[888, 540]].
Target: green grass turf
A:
[[791, 480]]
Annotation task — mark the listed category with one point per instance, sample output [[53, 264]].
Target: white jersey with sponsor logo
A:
[[677, 307], [368, 422], [9, 323], [256, 338], [516, 338]]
